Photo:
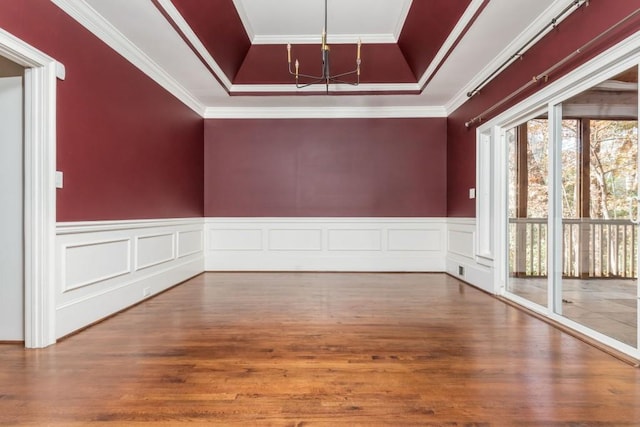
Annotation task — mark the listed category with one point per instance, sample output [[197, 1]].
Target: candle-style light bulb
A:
[[359, 45], [289, 53], [297, 67]]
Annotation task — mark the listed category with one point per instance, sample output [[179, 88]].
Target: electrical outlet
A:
[[146, 292], [460, 270]]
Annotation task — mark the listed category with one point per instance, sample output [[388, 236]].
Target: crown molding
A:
[[537, 25], [406, 6], [331, 39], [188, 32], [322, 112], [89, 18], [246, 23], [320, 88], [457, 32]]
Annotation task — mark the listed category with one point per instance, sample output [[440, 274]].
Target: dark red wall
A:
[[128, 148], [578, 29], [220, 29], [325, 167], [426, 28]]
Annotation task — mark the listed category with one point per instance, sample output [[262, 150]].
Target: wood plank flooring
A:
[[325, 349]]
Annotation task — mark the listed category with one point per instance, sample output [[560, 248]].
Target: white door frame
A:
[[39, 186]]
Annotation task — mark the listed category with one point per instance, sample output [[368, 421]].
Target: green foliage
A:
[[613, 168]]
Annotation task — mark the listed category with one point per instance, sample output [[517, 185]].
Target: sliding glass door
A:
[[597, 186], [572, 209]]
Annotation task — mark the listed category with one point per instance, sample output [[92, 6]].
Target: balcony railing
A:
[[592, 248]]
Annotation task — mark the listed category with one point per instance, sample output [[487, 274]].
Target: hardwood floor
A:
[[294, 349]]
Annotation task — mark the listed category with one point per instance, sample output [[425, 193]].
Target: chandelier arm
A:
[[345, 82], [348, 73], [307, 76], [315, 82]]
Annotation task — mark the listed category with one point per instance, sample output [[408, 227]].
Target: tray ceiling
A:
[[225, 55]]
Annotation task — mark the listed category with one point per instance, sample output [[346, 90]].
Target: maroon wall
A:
[[325, 167], [426, 28], [220, 29], [578, 29], [128, 148]]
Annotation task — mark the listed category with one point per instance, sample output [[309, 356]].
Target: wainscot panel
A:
[[190, 242], [355, 240], [154, 250], [103, 267], [93, 262], [325, 244], [461, 260]]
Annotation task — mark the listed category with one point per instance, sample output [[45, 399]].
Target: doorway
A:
[[12, 196], [39, 135]]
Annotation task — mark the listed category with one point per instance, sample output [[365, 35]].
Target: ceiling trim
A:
[[89, 18], [323, 112], [245, 20], [320, 88], [195, 42], [536, 26], [406, 6], [331, 39], [454, 36]]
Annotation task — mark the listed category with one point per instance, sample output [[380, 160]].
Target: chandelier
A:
[[304, 80]]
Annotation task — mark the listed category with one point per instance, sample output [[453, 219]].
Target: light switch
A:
[[472, 193], [59, 179]]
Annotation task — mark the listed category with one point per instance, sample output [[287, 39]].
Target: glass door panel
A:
[[528, 209], [599, 174]]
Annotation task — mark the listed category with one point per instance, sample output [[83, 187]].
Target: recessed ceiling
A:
[[372, 21], [222, 57]]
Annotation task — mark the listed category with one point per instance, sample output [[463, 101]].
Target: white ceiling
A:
[[145, 35], [302, 21]]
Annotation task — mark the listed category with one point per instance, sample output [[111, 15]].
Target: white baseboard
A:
[[474, 274], [106, 266], [325, 244]]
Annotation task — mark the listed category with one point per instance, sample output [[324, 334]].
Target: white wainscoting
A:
[[461, 254], [103, 267], [325, 244]]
